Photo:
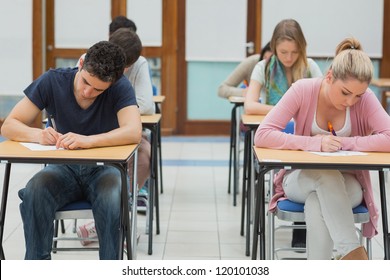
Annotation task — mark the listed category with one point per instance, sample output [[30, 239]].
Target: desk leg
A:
[[156, 179], [259, 222], [386, 234], [153, 190], [232, 145], [159, 156], [236, 157], [134, 193], [128, 230], [249, 189], [4, 198], [244, 183]]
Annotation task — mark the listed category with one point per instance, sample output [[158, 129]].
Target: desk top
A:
[[158, 98], [303, 159], [150, 119], [382, 82], [237, 99], [11, 151], [251, 120]]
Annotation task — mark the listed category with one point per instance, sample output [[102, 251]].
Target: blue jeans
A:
[[57, 185]]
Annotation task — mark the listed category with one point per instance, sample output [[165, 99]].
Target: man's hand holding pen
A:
[[49, 136]]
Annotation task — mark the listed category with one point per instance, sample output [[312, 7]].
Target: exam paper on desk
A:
[[39, 147], [340, 153]]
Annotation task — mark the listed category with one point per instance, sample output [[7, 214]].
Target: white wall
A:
[[326, 23], [80, 24], [15, 46], [147, 15], [216, 30]]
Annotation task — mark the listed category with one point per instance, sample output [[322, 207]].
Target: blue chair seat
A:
[[290, 206], [77, 205]]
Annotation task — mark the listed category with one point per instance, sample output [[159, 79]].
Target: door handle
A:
[[250, 47]]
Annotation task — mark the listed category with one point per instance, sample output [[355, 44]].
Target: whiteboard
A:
[[216, 30], [15, 48], [147, 15], [327, 23], [80, 24]]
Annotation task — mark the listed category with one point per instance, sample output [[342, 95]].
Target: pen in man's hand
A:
[[330, 127], [53, 124]]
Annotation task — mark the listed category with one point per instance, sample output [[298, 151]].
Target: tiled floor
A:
[[198, 219]]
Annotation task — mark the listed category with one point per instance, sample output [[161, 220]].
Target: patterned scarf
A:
[[275, 81]]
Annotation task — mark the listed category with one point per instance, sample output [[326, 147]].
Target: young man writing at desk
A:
[[337, 112], [93, 106]]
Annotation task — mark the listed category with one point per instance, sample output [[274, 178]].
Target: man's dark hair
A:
[[129, 42], [105, 60], [121, 21]]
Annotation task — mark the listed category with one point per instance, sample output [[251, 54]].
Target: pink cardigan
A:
[[370, 132]]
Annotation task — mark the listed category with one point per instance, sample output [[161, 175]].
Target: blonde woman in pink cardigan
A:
[[343, 99]]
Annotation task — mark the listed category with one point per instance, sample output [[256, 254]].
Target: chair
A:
[[75, 211], [290, 211]]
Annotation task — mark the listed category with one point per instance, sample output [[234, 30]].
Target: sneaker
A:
[[144, 191], [142, 204], [87, 231], [142, 201]]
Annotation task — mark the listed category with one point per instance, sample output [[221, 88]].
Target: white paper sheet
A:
[[39, 147], [340, 153]]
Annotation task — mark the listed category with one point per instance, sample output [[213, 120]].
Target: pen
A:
[[330, 127], [53, 124]]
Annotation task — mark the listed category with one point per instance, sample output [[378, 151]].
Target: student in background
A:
[[242, 74], [138, 74], [132, 47], [359, 123], [104, 112], [271, 78]]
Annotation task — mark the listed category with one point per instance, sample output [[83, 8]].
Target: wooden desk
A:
[[158, 99], [269, 159], [152, 122], [234, 153], [384, 85], [118, 156], [150, 119], [251, 122]]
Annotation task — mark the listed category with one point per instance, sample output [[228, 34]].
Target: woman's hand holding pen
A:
[[330, 143]]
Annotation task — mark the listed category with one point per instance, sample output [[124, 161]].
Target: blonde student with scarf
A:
[[271, 78], [359, 123]]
